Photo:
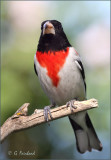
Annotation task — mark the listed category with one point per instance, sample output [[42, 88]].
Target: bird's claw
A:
[[46, 111], [71, 105]]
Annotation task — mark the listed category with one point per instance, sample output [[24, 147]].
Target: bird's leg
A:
[[47, 110], [71, 104]]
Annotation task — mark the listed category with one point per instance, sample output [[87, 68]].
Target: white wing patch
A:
[[78, 65]]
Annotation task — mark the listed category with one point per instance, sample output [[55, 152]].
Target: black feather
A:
[[82, 72], [75, 125], [35, 69], [53, 42]]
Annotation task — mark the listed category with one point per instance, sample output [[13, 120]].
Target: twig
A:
[[20, 120]]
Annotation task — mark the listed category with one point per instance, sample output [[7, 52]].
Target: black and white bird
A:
[[61, 75]]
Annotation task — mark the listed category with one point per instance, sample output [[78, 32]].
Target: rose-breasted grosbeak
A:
[[61, 75]]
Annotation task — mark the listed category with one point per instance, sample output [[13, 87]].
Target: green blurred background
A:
[[87, 26]]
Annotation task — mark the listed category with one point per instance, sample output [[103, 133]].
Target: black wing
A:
[[35, 69], [81, 68]]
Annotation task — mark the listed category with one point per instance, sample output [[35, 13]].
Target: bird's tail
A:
[[86, 137]]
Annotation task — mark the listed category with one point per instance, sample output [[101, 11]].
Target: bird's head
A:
[[52, 36], [51, 27]]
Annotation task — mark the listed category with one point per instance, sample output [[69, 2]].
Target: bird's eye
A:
[[58, 27]]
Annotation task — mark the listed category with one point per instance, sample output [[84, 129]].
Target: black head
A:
[[52, 37], [53, 26]]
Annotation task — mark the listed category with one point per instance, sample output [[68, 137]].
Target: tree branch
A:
[[20, 120]]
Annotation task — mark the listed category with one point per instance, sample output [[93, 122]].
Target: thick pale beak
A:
[[48, 28]]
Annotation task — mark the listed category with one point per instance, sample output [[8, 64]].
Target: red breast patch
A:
[[53, 62]]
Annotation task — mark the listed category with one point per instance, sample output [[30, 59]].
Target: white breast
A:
[[71, 84]]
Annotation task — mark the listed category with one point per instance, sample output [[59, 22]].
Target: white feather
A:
[[71, 84]]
